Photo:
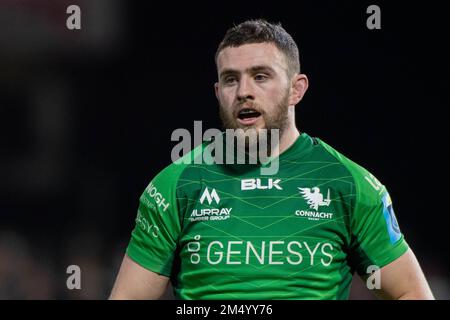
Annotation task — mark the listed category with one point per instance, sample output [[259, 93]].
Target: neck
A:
[[286, 140], [288, 137]]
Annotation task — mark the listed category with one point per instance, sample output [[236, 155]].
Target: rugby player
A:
[[225, 231]]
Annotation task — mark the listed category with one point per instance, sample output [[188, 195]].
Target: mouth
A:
[[248, 116]]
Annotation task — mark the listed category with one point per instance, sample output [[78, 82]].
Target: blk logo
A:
[[251, 184]]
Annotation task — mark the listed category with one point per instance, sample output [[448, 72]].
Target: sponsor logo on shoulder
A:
[[153, 192], [374, 182], [315, 199], [391, 220]]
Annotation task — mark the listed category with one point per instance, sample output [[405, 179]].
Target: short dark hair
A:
[[260, 31]]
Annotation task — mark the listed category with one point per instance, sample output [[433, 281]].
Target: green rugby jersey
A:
[[228, 232]]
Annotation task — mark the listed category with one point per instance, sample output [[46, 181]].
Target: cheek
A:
[[226, 98], [272, 96]]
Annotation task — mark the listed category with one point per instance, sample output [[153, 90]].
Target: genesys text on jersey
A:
[[260, 252]]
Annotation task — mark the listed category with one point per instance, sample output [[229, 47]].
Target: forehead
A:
[[248, 55]]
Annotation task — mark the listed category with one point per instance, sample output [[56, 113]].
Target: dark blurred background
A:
[[86, 118]]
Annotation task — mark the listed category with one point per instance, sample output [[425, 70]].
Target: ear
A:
[[299, 85], [216, 90]]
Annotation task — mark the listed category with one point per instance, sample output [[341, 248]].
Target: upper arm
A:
[[136, 283], [378, 241], [147, 265], [404, 279]]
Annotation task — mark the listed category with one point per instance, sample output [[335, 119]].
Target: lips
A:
[[248, 113], [248, 116]]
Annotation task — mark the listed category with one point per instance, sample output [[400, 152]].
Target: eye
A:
[[229, 79], [261, 77]]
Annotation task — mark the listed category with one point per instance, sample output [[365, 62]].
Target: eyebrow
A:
[[254, 69]]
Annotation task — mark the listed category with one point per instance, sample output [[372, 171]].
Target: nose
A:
[[245, 90]]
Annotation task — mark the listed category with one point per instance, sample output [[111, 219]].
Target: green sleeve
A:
[[155, 236], [376, 236]]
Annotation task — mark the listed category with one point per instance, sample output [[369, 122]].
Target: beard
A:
[[277, 119]]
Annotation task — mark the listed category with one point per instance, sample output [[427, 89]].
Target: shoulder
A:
[[168, 178], [368, 187]]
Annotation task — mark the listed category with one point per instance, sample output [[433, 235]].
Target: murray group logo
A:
[[315, 199], [209, 198]]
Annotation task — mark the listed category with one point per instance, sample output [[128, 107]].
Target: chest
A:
[[260, 216]]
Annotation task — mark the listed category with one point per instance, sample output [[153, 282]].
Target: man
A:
[[225, 231]]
